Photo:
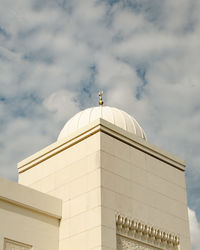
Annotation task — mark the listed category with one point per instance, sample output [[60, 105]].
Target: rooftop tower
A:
[[118, 191]]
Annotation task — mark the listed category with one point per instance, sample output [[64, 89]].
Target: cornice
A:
[[150, 235], [25, 197], [101, 125], [142, 145], [57, 147]]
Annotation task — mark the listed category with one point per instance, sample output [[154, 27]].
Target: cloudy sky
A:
[[55, 55]]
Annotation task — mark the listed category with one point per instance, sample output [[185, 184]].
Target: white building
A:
[[100, 186]]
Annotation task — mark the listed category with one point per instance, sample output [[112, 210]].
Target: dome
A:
[[113, 115]]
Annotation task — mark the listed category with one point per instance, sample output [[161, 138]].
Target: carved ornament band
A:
[[141, 232]]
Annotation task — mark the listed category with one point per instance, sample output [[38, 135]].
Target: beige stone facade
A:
[[117, 192], [28, 219]]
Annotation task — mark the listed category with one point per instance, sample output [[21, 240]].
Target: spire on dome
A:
[[100, 98]]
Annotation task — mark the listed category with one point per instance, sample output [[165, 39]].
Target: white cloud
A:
[[194, 229], [61, 103]]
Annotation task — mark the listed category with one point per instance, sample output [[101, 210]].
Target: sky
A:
[[55, 56]]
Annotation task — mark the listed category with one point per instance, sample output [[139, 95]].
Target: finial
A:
[[100, 98]]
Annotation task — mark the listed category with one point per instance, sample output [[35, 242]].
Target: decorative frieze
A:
[[141, 232], [14, 245], [128, 244]]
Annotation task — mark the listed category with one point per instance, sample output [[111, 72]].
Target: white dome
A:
[[110, 114]]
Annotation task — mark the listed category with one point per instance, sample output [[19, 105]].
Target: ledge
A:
[[142, 145], [22, 196], [101, 125]]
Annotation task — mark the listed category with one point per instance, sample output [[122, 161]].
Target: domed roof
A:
[[110, 114]]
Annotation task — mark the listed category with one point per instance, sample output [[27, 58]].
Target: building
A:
[[101, 185]]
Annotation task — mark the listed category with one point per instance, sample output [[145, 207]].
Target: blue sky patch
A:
[[141, 73], [4, 33]]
